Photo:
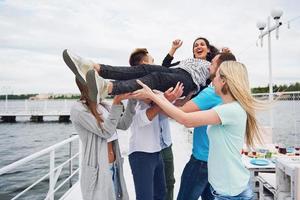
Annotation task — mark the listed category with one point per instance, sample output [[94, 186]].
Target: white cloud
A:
[[33, 35]]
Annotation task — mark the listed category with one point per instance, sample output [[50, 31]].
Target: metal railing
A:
[[283, 117], [54, 171], [35, 106]]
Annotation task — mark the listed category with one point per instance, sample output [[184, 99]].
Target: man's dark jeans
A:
[[167, 155], [194, 181], [148, 175], [154, 76]]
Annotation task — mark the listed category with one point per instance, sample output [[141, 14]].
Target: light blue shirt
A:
[[165, 133], [205, 100], [226, 171]]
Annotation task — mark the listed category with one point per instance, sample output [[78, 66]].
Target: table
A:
[[254, 171], [267, 185]]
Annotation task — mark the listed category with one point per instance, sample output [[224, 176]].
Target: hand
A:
[[181, 102], [144, 93], [120, 97], [173, 94], [176, 44], [225, 50]]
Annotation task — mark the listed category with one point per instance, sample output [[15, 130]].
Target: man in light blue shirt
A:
[[194, 179]]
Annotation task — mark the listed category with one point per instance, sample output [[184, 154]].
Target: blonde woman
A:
[[231, 124]]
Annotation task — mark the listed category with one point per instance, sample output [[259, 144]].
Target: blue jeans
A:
[[194, 181], [247, 194], [148, 175], [115, 178]]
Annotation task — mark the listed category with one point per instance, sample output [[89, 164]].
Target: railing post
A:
[[6, 102], [80, 157], [26, 106], [45, 106], [295, 119], [51, 175], [70, 163], [65, 104]]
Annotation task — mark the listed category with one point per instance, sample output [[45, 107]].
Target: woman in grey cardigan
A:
[[101, 166]]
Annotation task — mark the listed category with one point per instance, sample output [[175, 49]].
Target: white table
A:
[[254, 170], [267, 185]]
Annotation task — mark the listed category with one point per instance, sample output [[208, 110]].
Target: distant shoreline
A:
[[256, 90]]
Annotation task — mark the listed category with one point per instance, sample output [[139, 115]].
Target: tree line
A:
[[276, 88]]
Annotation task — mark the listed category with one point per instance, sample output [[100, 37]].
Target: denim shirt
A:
[[165, 136]]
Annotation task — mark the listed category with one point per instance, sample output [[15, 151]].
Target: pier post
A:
[[8, 118], [35, 118], [64, 118]]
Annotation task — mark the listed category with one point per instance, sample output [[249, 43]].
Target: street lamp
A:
[[276, 14]]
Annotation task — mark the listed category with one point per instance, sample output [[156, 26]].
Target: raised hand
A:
[[225, 50], [176, 44]]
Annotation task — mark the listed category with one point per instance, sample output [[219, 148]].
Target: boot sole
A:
[[69, 62], [92, 86]]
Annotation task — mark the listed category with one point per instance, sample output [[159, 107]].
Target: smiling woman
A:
[[193, 73]]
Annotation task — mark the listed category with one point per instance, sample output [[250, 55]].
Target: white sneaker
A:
[[97, 86], [78, 65]]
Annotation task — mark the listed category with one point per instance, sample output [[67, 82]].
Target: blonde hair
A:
[[236, 76]]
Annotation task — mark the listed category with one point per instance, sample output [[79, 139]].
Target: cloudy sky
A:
[[33, 34]]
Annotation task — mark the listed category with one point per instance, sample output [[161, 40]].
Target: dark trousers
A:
[[194, 181], [167, 155], [154, 76], [148, 175]]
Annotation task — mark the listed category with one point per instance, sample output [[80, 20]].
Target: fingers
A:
[[177, 43], [179, 87], [140, 82], [225, 50]]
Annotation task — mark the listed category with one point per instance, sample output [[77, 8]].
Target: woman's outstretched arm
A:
[[192, 119], [167, 62]]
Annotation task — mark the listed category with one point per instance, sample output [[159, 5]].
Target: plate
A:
[[260, 162]]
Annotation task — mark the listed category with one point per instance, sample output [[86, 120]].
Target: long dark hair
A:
[[213, 51]]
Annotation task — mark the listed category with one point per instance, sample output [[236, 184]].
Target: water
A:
[[20, 139], [23, 138]]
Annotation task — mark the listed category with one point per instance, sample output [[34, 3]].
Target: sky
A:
[[34, 33]]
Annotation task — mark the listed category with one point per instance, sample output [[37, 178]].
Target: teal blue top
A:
[[226, 171], [205, 100]]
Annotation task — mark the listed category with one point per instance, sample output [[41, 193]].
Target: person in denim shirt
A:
[[142, 56]]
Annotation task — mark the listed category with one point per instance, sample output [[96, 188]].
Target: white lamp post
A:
[[276, 14]]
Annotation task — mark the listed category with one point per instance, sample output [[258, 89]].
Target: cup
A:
[[282, 150], [268, 155]]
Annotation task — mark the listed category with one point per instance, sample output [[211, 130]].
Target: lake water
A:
[[23, 138]]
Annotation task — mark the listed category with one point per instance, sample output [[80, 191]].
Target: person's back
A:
[[100, 149]]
